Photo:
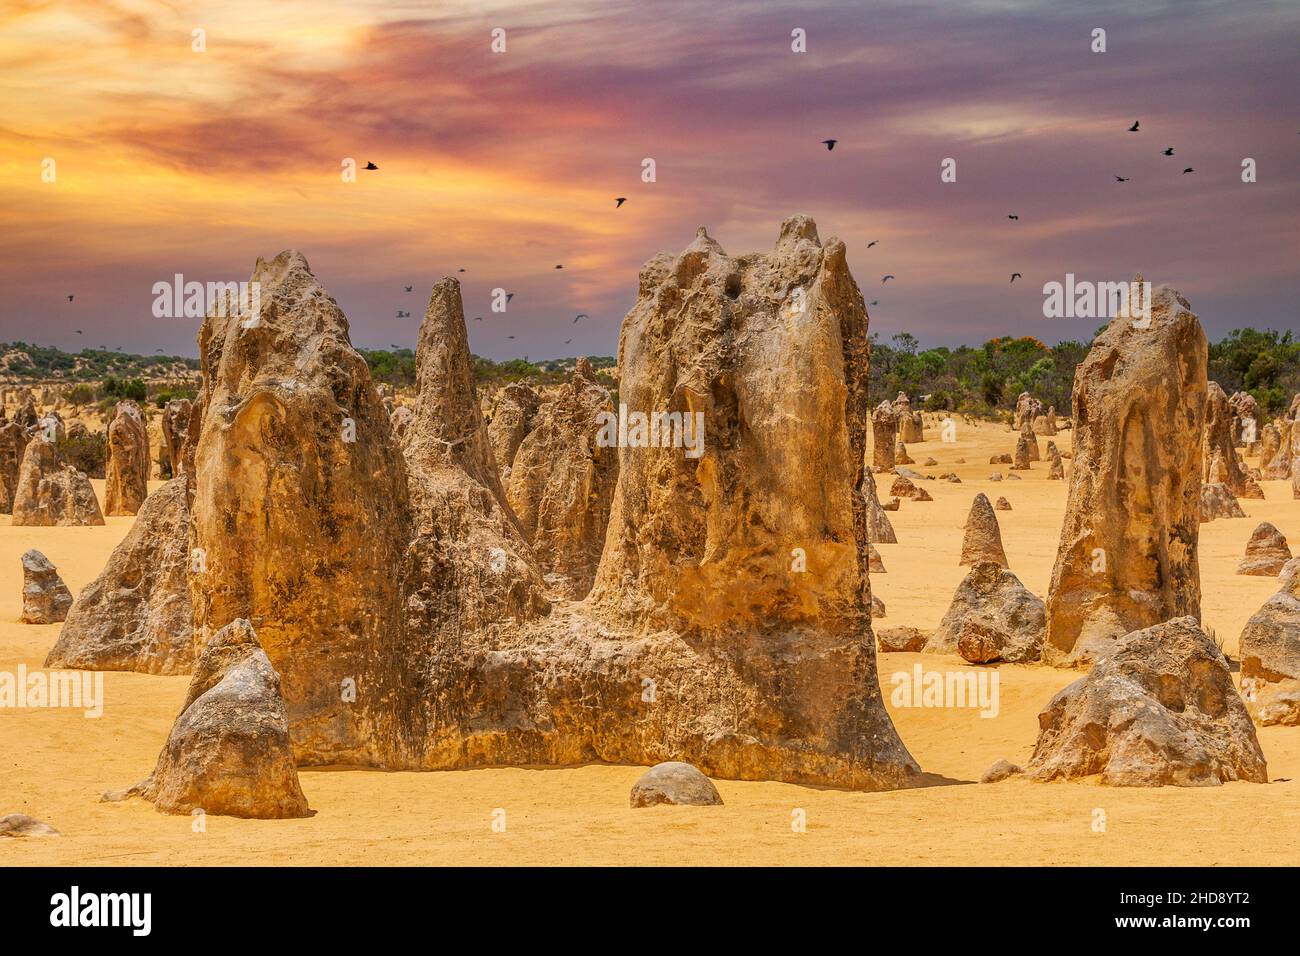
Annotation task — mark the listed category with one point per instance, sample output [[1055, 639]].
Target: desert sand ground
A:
[[55, 763]]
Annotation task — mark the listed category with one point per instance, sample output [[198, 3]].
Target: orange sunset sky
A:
[[172, 161]]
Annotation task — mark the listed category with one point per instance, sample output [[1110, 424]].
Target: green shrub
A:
[[87, 452]]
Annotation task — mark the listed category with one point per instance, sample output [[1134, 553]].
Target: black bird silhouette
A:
[[875, 302], [1188, 170], [478, 318], [559, 267], [1121, 179], [581, 315], [886, 279], [830, 144], [1169, 151], [1015, 276], [619, 201], [872, 243], [78, 331], [70, 298], [510, 336], [567, 341], [1134, 127], [371, 166], [408, 288], [509, 296], [403, 315], [1017, 218]]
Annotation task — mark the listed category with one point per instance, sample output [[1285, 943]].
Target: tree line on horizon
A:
[[986, 380]]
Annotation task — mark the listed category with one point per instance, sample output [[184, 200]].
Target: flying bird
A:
[[69, 298], [567, 341], [1017, 218], [619, 201], [478, 318], [460, 270], [872, 243], [559, 267], [509, 296], [875, 302], [1134, 127], [78, 331], [371, 166], [829, 144], [1015, 276], [408, 288], [403, 315], [1121, 179], [581, 315], [510, 336], [1169, 151], [1188, 170], [886, 279]]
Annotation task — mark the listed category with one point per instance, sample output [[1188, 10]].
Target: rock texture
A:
[[562, 482], [136, 615], [897, 639], [697, 549], [1217, 501], [1160, 710], [126, 475], [46, 598], [300, 511], [174, 425], [13, 442], [1127, 554], [20, 825], [675, 783], [51, 493], [228, 752], [992, 618], [879, 528], [1219, 442], [512, 419], [404, 579], [1270, 655], [1266, 552], [884, 427], [982, 538]]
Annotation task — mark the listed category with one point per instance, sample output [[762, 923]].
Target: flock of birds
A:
[[620, 200]]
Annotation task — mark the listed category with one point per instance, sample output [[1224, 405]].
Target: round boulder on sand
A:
[[676, 783]]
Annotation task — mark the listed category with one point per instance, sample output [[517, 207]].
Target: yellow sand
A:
[[55, 763]]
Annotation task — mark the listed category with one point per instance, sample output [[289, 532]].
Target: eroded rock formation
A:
[[46, 598], [1270, 655], [1219, 447], [126, 475], [136, 615], [512, 419], [52, 493], [884, 428], [1127, 555], [982, 538], [1160, 710], [992, 617], [562, 482], [1266, 552], [228, 752]]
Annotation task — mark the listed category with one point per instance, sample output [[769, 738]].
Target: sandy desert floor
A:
[[55, 763]]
